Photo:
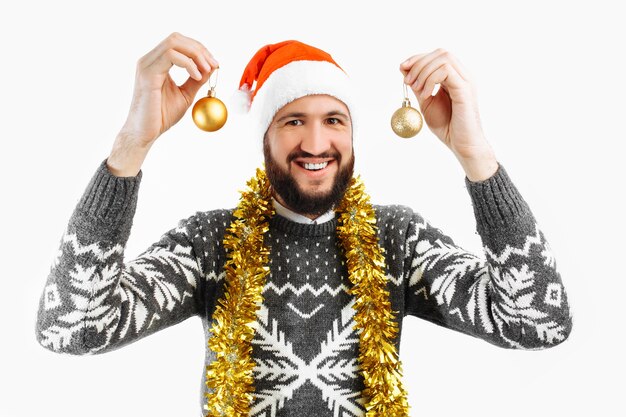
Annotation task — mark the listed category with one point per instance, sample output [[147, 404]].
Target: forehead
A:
[[318, 103]]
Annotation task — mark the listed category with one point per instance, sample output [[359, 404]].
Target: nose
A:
[[315, 140]]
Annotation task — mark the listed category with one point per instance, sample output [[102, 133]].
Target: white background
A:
[[550, 77]]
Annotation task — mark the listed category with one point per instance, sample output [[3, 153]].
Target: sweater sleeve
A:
[[93, 300], [512, 296]]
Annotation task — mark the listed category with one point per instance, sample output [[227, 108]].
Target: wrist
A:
[[127, 156], [480, 167]]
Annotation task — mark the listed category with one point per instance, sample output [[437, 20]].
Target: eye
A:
[[333, 121], [294, 122]]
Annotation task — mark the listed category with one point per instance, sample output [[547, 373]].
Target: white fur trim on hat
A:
[[298, 79]]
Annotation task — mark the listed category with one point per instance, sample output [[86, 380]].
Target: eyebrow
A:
[[300, 115]]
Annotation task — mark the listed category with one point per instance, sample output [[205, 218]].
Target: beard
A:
[[314, 203]]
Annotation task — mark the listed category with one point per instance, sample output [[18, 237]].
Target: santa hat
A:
[[283, 72]]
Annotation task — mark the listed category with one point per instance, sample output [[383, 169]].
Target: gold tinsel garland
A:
[[229, 378]]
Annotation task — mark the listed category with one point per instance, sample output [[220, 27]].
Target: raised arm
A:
[[93, 300], [512, 296]]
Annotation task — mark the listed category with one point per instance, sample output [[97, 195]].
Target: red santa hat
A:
[[283, 72]]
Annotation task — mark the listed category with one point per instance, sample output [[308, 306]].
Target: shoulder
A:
[[402, 222], [215, 219], [397, 215], [219, 215], [395, 219]]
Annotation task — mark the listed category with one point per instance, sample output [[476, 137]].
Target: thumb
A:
[[190, 87]]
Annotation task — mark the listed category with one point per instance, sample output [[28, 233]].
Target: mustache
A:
[[302, 154]]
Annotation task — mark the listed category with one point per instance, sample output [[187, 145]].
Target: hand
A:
[[158, 103], [452, 114]]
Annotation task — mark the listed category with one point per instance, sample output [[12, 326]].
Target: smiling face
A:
[[308, 153]]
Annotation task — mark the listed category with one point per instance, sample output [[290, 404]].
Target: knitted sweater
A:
[[305, 346]]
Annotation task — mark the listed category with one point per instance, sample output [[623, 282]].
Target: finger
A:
[[206, 54], [197, 52], [460, 69], [187, 46], [172, 57], [430, 67], [419, 65], [164, 45], [407, 64], [443, 75], [211, 58]]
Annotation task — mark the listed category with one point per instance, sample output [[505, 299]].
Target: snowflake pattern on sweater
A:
[[305, 344]]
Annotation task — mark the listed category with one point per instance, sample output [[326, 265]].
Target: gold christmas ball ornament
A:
[[407, 121], [209, 113]]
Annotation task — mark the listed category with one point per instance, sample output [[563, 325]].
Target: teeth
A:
[[315, 167]]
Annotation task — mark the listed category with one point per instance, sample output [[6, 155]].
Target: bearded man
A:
[[302, 289]]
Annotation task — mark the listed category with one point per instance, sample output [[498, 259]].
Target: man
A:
[[302, 289]]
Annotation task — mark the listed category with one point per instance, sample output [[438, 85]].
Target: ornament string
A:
[[213, 82], [405, 91]]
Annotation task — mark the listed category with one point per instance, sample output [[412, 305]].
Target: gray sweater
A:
[[305, 346]]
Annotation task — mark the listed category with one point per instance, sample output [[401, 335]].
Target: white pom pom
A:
[[240, 100]]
